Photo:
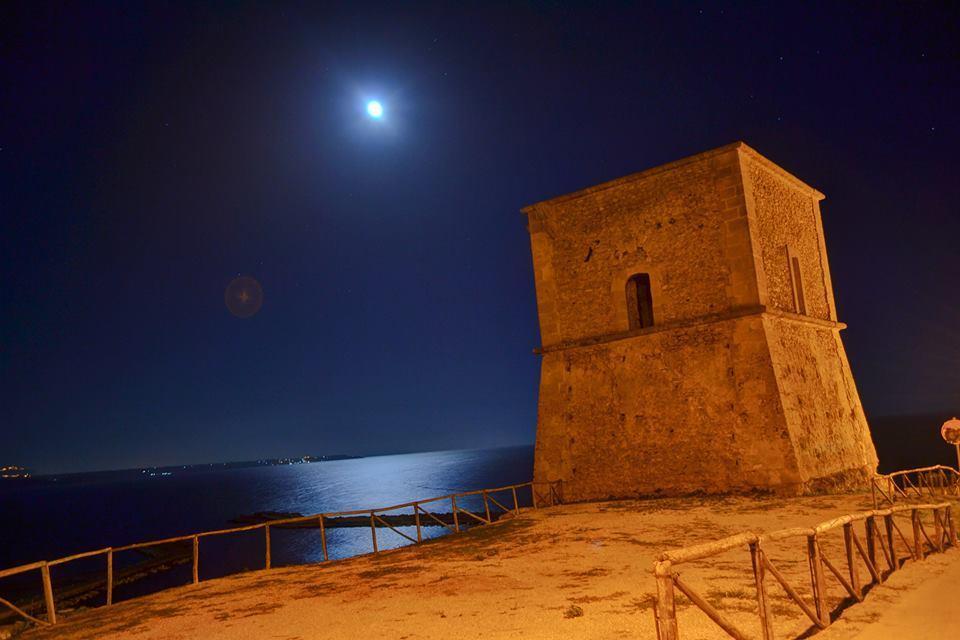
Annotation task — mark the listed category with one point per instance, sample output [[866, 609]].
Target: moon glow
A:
[[375, 109]]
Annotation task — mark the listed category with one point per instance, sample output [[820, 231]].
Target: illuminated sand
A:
[[521, 578], [919, 603]]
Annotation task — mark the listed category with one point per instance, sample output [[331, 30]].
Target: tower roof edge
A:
[[739, 146]]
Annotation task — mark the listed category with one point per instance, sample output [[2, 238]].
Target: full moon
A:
[[375, 109]]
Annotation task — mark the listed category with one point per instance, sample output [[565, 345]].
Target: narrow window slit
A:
[[798, 285], [639, 301], [796, 282]]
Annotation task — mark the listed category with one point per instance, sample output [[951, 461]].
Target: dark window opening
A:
[[796, 282], [801, 304], [639, 301]]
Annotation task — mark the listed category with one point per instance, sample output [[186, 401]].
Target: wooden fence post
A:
[[109, 577], [918, 551], [852, 560], [885, 549], [196, 559], [945, 535], [665, 609], [486, 506], [870, 529], [323, 539], [373, 533], [888, 526], [763, 605], [909, 484], [266, 542], [816, 578], [951, 529], [456, 519], [516, 505], [938, 528], [48, 594], [416, 517]]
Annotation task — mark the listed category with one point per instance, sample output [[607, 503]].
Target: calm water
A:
[[46, 520]]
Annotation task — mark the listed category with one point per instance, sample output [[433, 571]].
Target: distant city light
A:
[[375, 109]]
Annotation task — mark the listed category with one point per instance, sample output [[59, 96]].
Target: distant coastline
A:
[[169, 470], [243, 464], [14, 472]]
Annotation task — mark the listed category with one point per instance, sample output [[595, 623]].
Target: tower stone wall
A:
[[740, 383]]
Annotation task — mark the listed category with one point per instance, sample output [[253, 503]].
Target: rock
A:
[[573, 611]]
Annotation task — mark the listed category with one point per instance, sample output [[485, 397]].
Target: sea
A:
[[57, 516]]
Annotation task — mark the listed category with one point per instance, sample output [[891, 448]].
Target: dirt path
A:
[[580, 571], [922, 602]]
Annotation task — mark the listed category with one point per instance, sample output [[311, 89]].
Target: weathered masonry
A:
[[690, 337]]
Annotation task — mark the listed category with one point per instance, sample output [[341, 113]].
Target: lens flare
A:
[[243, 296]]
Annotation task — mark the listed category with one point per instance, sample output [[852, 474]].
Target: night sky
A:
[[150, 154]]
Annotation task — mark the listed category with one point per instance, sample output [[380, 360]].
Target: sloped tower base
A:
[[753, 402]]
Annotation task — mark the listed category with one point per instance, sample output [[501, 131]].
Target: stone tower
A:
[[690, 337]]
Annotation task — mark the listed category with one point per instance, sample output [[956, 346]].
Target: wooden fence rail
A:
[[879, 528], [920, 483], [541, 494]]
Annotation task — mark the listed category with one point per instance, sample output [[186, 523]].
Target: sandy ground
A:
[[575, 571], [921, 602]]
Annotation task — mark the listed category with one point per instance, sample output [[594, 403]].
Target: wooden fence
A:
[[915, 483], [495, 503], [881, 534]]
